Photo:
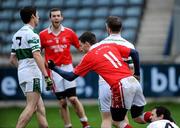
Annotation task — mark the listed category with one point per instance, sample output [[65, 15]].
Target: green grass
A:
[[9, 116]]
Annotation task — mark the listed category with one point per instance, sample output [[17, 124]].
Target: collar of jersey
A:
[[112, 36], [29, 26], [50, 31]]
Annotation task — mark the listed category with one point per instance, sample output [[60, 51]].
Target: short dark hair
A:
[[53, 10], [114, 23], [26, 13], [89, 37], [160, 110]]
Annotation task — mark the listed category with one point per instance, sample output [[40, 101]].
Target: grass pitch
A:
[[9, 116]]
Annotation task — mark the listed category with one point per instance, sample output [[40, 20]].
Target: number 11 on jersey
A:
[[113, 59]]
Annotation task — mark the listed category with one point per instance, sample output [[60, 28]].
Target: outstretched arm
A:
[[70, 76]]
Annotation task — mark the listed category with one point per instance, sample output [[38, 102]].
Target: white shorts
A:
[[60, 83], [33, 86], [27, 74], [132, 92], [104, 96]]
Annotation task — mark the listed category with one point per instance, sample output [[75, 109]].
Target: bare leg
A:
[[41, 114], [106, 120], [78, 107], [32, 99], [64, 112]]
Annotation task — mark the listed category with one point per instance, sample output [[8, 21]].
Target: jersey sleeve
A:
[[124, 51], [75, 40], [83, 67], [34, 41]]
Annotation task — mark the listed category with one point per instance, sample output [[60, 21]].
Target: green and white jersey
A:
[[25, 42]]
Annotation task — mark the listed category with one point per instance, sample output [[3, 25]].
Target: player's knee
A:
[[73, 100], [63, 103], [136, 113], [31, 109]]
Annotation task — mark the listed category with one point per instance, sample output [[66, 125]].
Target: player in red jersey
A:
[[106, 60], [113, 27], [56, 41]]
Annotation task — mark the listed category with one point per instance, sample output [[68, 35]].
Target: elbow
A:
[[13, 60]]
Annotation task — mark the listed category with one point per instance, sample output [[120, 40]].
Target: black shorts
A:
[[118, 114], [67, 93]]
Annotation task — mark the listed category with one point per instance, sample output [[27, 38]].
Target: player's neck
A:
[[56, 30], [31, 24]]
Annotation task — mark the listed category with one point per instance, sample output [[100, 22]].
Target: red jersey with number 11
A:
[[106, 60]]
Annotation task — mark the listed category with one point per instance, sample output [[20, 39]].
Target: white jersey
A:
[[162, 124], [25, 42]]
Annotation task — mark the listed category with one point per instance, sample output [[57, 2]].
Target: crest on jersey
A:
[[64, 40]]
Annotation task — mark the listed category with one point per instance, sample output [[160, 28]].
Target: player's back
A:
[[25, 41], [108, 62], [120, 41], [162, 124]]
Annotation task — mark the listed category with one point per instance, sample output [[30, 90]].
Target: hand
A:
[[51, 64], [49, 83]]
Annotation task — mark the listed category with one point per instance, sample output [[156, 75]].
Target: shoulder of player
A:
[[68, 30], [24, 31], [128, 44], [43, 31], [119, 42]]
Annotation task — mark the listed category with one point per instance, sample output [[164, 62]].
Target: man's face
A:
[[36, 19], [154, 116], [85, 46], [56, 18]]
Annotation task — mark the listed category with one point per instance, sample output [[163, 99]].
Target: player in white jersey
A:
[[26, 56], [162, 124], [113, 27], [161, 118]]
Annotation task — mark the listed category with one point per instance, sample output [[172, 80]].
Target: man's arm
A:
[[39, 60], [135, 57], [70, 76], [13, 60]]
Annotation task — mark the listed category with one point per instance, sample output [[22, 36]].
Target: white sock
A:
[[83, 119], [122, 124], [68, 125]]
